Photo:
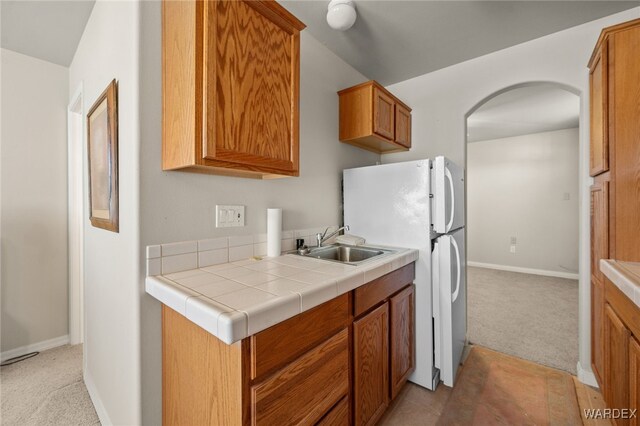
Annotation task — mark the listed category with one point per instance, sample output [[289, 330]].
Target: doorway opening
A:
[[523, 210], [75, 132]]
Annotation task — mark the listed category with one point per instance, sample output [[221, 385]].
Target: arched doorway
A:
[[523, 211]]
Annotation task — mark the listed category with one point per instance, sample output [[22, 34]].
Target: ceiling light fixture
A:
[[341, 14]]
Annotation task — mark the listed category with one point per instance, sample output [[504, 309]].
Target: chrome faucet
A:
[[322, 237]]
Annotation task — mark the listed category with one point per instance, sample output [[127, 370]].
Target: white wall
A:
[[516, 187], [179, 206], [442, 99], [34, 201], [109, 49]]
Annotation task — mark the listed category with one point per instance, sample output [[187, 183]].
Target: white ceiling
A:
[[532, 109], [47, 30], [393, 41]]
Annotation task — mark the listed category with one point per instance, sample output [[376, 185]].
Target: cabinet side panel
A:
[[180, 109], [626, 106], [202, 380], [356, 113]]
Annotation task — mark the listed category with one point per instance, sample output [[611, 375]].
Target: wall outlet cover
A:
[[228, 216]]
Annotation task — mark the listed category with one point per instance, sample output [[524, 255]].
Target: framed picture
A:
[[102, 146]]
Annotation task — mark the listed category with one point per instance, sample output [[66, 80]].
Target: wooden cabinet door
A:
[[370, 364], [402, 329], [598, 83], [616, 362], [597, 330], [624, 54], [599, 227], [634, 379], [251, 89], [383, 114], [403, 126]]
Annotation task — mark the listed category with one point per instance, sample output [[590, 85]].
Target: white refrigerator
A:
[[420, 205]]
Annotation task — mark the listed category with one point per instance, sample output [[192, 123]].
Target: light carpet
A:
[[529, 316], [47, 390]]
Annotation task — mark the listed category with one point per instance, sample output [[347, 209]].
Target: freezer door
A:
[[452, 310], [389, 204], [448, 195]]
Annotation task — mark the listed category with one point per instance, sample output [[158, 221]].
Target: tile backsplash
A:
[[182, 256]]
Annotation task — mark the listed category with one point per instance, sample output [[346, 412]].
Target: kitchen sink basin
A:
[[351, 255]]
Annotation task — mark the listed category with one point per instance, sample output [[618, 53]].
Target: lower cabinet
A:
[[383, 355], [616, 371], [306, 389], [621, 360], [402, 314], [337, 364], [370, 363]]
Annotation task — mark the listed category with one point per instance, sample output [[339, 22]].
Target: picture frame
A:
[[102, 149]]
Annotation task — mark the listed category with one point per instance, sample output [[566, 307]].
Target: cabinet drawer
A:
[[277, 346], [369, 295], [304, 391], [338, 416]]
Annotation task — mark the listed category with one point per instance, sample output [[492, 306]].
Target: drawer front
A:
[[371, 294], [338, 416], [277, 346], [305, 390]]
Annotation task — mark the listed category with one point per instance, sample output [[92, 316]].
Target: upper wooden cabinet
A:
[[615, 132], [231, 73], [599, 147], [373, 119]]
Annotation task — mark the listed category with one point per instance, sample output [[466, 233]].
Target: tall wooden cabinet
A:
[[615, 196], [230, 74]]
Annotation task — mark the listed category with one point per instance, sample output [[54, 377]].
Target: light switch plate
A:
[[229, 216]]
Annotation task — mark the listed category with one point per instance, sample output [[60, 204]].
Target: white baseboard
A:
[[95, 398], [543, 272], [586, 376], [35, 347]]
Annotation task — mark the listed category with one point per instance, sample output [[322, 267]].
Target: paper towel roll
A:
[[274, 232]]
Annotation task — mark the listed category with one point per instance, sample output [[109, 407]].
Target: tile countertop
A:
[[625, 275], [238, 299]]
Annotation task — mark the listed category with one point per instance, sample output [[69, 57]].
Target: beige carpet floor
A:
[[528, 316], [46, 390]]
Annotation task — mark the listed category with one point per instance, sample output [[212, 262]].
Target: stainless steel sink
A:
[[351, 255]]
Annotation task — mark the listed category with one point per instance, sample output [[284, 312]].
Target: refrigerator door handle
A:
[[447, 174], [456, 292]]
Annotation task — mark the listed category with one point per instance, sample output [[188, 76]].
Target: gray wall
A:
[[516, 186], [34, 201], [178, 206]]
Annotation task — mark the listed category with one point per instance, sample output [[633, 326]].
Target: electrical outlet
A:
[[512, 249], [229, 216], [566, 196]]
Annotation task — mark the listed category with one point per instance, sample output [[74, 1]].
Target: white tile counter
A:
[[625, 275], [235, 300]]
